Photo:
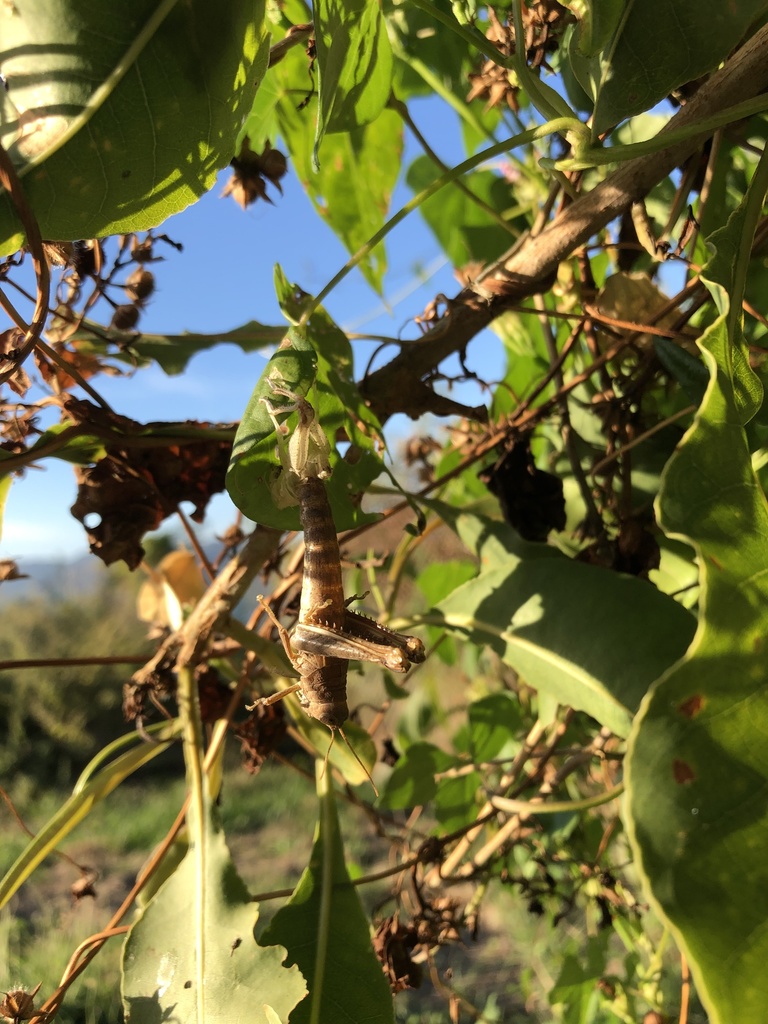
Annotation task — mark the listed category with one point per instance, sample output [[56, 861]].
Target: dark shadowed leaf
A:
[[658, 46]]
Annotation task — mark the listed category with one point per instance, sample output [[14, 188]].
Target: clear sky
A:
[[222, 279]]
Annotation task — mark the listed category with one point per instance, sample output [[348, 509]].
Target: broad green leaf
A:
[[353, 186], [464, 230], [597, 21], [185, 934], [455, 802], [436, 581], [117, 117], [94, 785], [697, 772], [494, 722], [171, 352], [689, 372], [354, 61], [576, 986], [316, 362], [575, 631], [326, 932], [412, 781], [422, 42], [659, 45], [344, 752], [493, 541]]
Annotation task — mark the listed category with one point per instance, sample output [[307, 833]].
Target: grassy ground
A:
[[43, 924], [269, 822]]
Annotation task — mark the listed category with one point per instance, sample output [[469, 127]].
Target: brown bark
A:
[[399, 385]]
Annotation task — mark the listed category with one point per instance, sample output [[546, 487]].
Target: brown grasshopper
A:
[[327, 634]]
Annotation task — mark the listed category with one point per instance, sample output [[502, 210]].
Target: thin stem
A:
[[599, 157], [609, 459], [103, 659], [528, 807], [523, 139], [487, 209]]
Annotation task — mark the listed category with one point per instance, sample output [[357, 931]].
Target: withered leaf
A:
[[133, 489], [10, 342], [9, 570], [531, 500]]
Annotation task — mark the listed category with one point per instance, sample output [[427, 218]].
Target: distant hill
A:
[[52, 580]]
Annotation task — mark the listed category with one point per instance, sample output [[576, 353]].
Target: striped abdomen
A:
[[322, 594]]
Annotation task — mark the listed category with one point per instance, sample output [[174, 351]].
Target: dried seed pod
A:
[[251, 171], [18, 1004], [140, 285], [125, 318]]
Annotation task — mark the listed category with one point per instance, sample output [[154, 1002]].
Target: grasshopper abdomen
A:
[[322, 592]]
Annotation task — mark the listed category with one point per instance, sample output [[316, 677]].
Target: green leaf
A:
[[698, 763], [166, 951], [455, 802], [575, 631], [661, 44], [412, 781], [171, 352], [344, 752], [597, 22], [436, 581], [317, 359], [353, 187], [429, 58], [494, 722], [689, 372], [354, 61], [326, 932], [576, 986], [492, 540], [124, 114], [464, 230], [92, 787]]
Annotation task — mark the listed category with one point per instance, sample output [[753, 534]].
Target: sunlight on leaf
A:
[[155, 110], [354, 61], [325, 930], [698, 763], [243, 979], [316, 361], [556, 622]]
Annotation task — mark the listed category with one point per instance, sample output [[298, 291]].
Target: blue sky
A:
[[222, 279]]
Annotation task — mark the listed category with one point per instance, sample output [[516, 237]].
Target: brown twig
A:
[[98, 659], [399, 385], [10, 181]]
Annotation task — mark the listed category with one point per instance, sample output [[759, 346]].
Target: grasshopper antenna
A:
[[356, 757], [328, 754]]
